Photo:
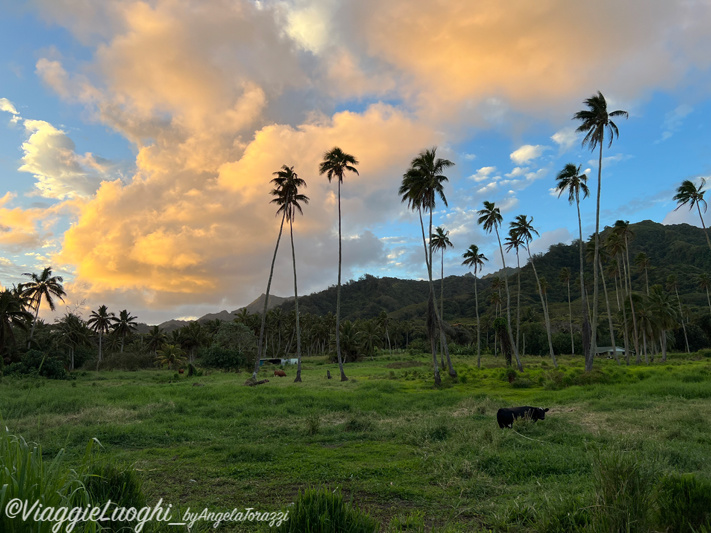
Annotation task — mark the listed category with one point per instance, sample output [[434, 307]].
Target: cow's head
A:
[[539, 413]]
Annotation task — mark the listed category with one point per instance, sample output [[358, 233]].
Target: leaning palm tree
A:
[[564, 277], [124, 324], [44, 286], [440, 241], [490, 218], [421, 185], [100, 322], [289, 201], [335, 164], [475, 260], [522, 228], [688, 193], [596, 122], [570, 179]]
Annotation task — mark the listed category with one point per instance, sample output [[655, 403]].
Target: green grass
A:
[[413, 457]]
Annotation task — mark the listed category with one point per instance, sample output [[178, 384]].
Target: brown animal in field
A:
[[181, 371], [280, 373], [328, 374]]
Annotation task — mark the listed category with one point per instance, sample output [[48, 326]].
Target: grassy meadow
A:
[[414, 457]]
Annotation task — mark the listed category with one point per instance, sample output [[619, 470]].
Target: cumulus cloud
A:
[[526, 153], [60, 172], [565, 138], [7, 106], [484, 173]]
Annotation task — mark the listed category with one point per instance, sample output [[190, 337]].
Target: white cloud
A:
[[483, 173], [60, 172], [516, 172], [527, 152], [674, 119], [565, 138], [7, 106]]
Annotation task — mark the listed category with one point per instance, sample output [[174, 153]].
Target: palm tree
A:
[[704, 282], [596, 122], [155, 339], [513, 241], [43, 286], [124, 325], [570, 179], [100, 322], [335, 164], [615, 247], [289, 201], [12, 315], [171, 355], [665, 315], [190, 337], [421, 185], [673, 285], [72, 334], [440, 241], [688, 193], [564, 277], [522, 228], [278, 181], [475, 260], [490, 217], [624, 232]]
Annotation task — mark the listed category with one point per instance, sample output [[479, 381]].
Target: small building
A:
[[277, 361], [609, 351]]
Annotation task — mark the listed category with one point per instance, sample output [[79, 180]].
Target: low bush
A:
[[39, 363]]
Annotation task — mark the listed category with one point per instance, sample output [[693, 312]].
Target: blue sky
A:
[[138, 138]]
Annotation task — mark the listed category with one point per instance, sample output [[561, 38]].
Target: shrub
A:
[[323, 511], [683, 503], [36, 362], [131, 361], [223, 358]]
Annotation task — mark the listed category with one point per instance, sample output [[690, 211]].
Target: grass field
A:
[[413, 457]]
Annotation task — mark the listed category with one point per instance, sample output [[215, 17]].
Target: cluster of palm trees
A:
[[336, 163]]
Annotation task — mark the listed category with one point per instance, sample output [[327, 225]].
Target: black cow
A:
[[506, 416]]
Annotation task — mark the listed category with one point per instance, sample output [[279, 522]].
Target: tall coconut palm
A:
[[596, 123], [421, 185], [704, 282], [279, 180], [124, 325], [490, 218], [440, 241], [564, 277], [514, 242], [522, 227], [475, 260], [665, 315], [289, 200], [335, 164], [155, 339], [73, 333], [625, 233], [615, 247], [688, 193], [44, 286], [570, 179], [100, 321]]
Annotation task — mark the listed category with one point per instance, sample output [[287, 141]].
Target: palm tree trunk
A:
[[518, 299], [663, 341], [433, 342], [101, 334], [624, 319], [546, 318], [266, 301], [478, 329], [703, 225], [296, 306], [441, 302], [634, 317], [708, 299], [338, 291], [681, 315], [439, 323], [34, 322], [508, 304], [593, 336], [570, 315], [609, 317], [585, 334]]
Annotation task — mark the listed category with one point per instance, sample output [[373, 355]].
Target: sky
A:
[[138, 138]]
